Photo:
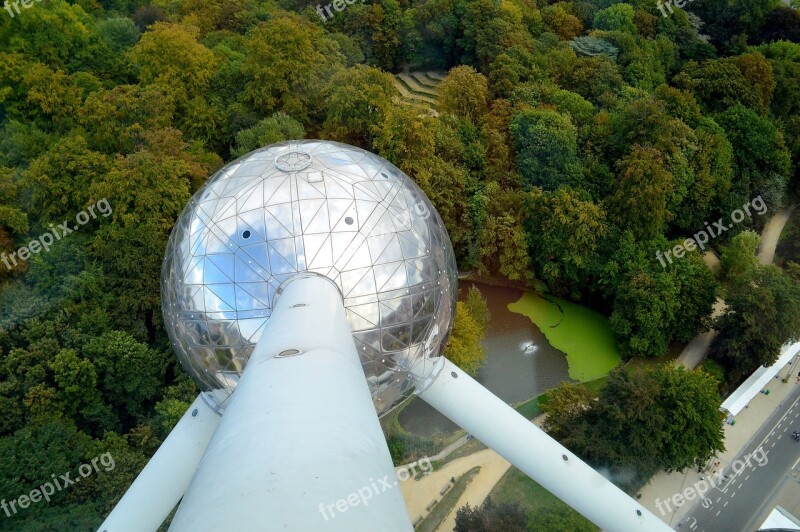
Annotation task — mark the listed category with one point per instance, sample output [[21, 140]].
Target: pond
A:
[[520, 362]]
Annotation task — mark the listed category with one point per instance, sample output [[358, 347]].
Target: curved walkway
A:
[[418, 494], [696, 350], [663, 485], [772, 233]]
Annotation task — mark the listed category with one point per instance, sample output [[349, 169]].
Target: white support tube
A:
[[163, 481], [477, 410], [299, 447]]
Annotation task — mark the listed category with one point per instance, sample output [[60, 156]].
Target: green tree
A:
[[617, 17], [547, 149], [566, 406], [358, 99], [21, 143], [59, 180], [757, 72], [13, 221], [46, 97], [37, 451], [276, 128], [667, 417], [477, 307], [762, 314], [475, 16], [147, 190], [119, 33], [171, 56], [656, 304], [446, 186], [501, 34], [64, 35], [76, 379], [504, 246], [288, 63], [739, 259], [718, 84], [407, 138], [712, 169], [464, 348], [129, 374], [465, 93], [762, 160], [116, 120], [490, 516], [639, 197], [645, 306], [563, 234], [557, 20], [388, 24], [594, 78]]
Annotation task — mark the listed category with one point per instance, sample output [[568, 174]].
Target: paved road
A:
[[735, 504]]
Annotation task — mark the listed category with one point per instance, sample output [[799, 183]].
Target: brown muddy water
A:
[[520, 363]]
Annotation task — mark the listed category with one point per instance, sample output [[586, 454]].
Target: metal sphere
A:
[[314, 206]]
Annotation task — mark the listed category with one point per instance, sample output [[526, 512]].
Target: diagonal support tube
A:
[[481, 413], [163, 481]]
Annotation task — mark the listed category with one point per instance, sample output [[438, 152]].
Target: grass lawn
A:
[[515, 487], [583, 334], [530, 408]]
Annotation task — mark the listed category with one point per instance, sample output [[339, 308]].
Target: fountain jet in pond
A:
[[309, 287]]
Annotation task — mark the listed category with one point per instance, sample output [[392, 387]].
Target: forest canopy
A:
[[567, 144]]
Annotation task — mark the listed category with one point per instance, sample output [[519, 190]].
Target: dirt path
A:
[[771, 234], [492, 470], [419, 493], [696, 350]]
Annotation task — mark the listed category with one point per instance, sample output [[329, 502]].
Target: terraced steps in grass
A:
[[424, 81], [414, 86], [406, 92]]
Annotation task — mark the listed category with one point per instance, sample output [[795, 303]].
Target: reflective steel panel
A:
[[317, 206]]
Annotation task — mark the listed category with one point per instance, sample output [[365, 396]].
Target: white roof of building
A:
[[780, 519], [758, 380]]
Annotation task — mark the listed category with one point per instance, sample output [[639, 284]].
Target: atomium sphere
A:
[[310, 206]]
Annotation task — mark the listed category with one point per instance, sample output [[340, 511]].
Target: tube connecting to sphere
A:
[[300, 432], [481, 413], [163, 481]]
